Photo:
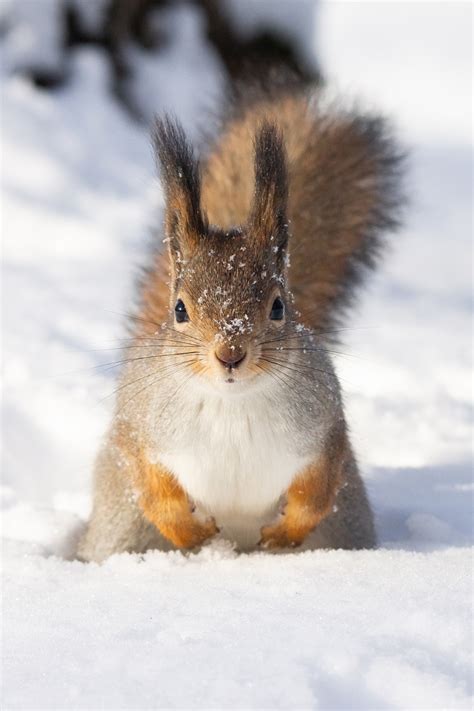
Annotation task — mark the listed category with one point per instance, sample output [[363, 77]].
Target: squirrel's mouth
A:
[[231, 375], [232, 369], [230, 382], [238, 379], [233, 372]]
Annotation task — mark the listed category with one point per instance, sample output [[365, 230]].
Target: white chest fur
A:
[[235, 456]]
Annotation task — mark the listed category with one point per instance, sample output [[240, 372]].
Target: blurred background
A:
[[81, 81], [158, 53]]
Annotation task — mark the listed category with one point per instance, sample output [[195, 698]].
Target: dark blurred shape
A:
[[115, 25], [256, 56]]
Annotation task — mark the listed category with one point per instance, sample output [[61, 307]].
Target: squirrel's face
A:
[[229, 298], [228, 287]]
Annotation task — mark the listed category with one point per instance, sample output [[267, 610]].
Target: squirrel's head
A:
[[228, 286]]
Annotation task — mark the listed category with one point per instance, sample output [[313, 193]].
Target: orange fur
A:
[[165, 504], [310, 497], [155, 297]]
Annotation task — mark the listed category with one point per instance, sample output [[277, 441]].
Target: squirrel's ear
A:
[[268, 217], [184, 222]]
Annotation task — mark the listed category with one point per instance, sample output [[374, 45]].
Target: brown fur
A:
[[342, 174], [343, 178]]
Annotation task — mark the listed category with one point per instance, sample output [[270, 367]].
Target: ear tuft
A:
[[179, 171], [269, 210]]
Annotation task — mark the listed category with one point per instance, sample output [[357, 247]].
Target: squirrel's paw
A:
[[192, 532], [278, 536]]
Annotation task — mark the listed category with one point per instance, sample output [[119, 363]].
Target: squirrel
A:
[[229, 418]]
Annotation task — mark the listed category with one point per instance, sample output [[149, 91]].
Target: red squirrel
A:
[[229, 419]]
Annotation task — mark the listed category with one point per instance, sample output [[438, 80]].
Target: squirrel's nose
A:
[[230, 358]]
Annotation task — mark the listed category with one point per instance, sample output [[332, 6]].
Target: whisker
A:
[[136, 346], [288, 335], [168, 368], [133, 342], [115, 364], [187, 335], [157, 355], [307, 366], [310, 333], [283, 376], [314, 350], [163, 335], [134, 317], [284, 365], [172, 396], [160, 326], [271, 373]]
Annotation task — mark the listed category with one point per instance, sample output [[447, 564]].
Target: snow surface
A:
[[390, 628]]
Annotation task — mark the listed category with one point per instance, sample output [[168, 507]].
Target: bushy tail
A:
[[344, 191]]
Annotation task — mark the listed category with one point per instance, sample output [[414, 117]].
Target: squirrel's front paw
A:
[[191, 532], [279, 536]]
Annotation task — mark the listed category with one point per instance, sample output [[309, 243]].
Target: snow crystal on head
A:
[[234, 326], [203, 297]]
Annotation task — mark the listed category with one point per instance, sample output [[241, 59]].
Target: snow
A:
[[35, 37], [331, 630], [219, 630]]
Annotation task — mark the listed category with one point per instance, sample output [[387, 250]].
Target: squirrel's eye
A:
[[278, 310], [180, 312]]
